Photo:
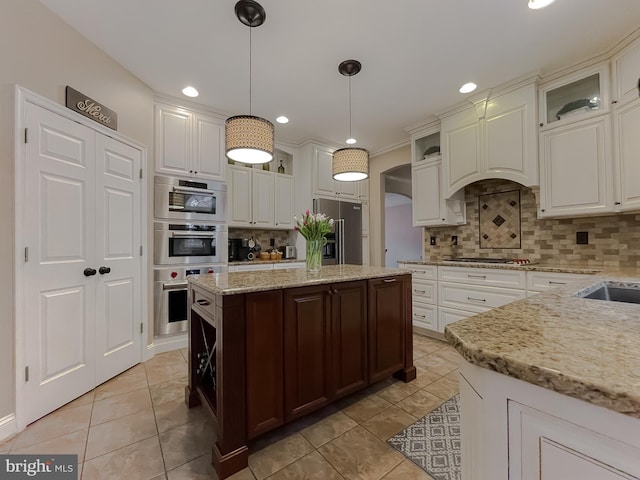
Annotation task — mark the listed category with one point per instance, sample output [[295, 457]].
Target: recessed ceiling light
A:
[[537, 4], [351, 141], [468, 87], [190, 92], [282, 119]]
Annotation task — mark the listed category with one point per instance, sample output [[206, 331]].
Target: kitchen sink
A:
[[613, 292]]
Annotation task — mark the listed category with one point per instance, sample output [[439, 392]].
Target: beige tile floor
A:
[[137, 427]]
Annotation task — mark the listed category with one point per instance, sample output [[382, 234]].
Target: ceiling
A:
[[414, 53]]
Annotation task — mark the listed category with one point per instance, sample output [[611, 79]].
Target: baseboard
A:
[[428, 333], [166, 344], [8, 426]]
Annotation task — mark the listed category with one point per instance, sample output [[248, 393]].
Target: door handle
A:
[[89, 272], [104, 270]]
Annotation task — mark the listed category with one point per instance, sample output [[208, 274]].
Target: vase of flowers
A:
[[313, 227]]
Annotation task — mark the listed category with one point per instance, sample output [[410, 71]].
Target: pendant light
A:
[[249, 139], [350, 164]]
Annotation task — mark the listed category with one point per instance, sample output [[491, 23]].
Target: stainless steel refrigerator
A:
[[344, 243]]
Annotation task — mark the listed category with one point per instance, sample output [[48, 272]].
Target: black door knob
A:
[[104, 270], [89, 272]]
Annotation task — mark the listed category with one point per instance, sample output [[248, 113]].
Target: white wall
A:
[[377, 166], [403, 241], [42, 53]]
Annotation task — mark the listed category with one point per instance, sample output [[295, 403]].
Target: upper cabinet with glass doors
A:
[[575, 97]]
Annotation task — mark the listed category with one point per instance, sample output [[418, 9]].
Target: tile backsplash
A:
[[280, 237], [614, 240]]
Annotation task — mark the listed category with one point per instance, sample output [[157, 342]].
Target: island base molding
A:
[[514, 430]]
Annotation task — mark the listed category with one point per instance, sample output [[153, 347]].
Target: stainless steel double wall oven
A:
[[190, 238]]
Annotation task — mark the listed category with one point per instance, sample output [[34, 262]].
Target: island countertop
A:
[[257, 281], [587, 349]]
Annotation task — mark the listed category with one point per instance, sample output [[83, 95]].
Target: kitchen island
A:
[[550, 387], [266, 348]]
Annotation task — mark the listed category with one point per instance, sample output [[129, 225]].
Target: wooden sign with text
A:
[[90, 108]]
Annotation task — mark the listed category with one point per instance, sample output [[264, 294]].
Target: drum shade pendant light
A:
[[249, 139], [350, 164]]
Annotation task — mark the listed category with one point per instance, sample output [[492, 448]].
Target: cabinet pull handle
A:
[[202, 302], [420, 291], [389, 280], [551, 282], [476, 299], [419, 316], [639, 87], [476, 276]]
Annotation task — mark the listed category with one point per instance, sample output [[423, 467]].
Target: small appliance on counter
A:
[[290, 252]]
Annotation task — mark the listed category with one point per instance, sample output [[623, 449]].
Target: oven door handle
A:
[[194, 234], [175, 286], [202, 191]]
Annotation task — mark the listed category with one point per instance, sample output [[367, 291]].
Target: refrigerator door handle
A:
[[340, 240], [315, 205]]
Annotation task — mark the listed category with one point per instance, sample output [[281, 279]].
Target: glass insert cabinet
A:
[[575, 97]]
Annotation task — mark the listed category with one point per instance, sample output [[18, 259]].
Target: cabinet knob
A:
[[542, 210], [195, 172], [618, 203], [613, 102], [542, 124]]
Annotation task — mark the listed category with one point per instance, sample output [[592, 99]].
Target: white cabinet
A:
[[240, 196], [259, 198], [424, 292], [542, 446], [496, 138], [365, 250], [263, 209], [518, 431], [543, 281], [284, 201], [428, 203], [576, 169], [465, 291], [365, 218], [323, 183], [626, 74], [363, 190], [627, 155], [188, 144]]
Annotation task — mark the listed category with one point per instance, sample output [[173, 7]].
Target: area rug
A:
[[433, 442]]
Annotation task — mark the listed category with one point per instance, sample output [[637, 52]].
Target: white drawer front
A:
[[483, 276], [541, 281], [424, 291], [449, 315], [251, 267], [476, 299], [422, 272], [425, 316]]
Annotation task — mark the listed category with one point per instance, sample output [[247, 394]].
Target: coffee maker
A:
[[239, 249]]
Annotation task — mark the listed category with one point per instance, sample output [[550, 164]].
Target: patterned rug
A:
[[433, 442]]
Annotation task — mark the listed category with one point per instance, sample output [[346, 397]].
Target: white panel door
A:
[[173, 140], [117, 257], [59, 227], [239, 196], [426, 195], [627, 151], [323, 182]]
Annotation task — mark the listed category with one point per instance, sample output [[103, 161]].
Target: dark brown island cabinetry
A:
[[258, 360]]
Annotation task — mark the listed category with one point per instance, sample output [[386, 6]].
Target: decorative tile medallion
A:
[[500, 220]]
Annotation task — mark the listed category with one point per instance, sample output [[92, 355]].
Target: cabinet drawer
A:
[[425, 316], [449, 315], [204, 304], [483, 276], [424, 291], [541, 281], [254, 267], [476, 299], [422, 272], [282, 266]]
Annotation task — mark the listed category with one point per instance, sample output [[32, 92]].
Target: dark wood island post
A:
[[239, 344]]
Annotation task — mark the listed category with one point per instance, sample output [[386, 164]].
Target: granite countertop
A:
[[531, 267], [258, 281], [587, 349], [257, 261]]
